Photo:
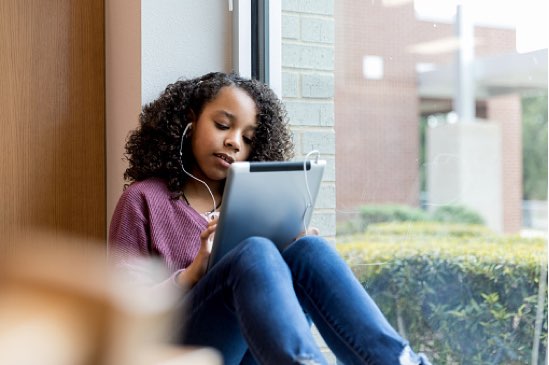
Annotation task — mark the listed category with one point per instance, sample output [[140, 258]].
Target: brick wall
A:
[[377, 120], [507, 111], [308, 91]]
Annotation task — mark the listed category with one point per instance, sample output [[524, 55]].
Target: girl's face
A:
[[223, 133]]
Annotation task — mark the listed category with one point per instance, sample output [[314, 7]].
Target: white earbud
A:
[[187, 127]]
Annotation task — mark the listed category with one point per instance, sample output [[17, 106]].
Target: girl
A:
[[254, 305]]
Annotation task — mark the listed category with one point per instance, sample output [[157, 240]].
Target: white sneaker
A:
[[408, 357]]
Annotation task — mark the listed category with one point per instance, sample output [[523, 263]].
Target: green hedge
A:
[[378, 213], [464, 297], [457, 213]]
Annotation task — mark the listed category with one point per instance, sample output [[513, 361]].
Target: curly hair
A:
[[152, 149]]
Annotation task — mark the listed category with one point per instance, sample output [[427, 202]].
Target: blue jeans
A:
[[252, 304]]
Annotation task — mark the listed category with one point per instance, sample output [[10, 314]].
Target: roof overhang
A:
[[496, 75]]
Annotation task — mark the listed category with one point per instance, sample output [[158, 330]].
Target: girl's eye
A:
[[221, 126], [247, 140]]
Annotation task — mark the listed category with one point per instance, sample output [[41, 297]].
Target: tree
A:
[[534, 147]]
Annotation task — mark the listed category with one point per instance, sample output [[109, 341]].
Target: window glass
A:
[[432, 116]]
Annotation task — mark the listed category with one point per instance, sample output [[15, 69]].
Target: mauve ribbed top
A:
[[148, 222]]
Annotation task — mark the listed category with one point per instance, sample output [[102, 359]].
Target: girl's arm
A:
[[129, 243], [194, 272], [129, 229]]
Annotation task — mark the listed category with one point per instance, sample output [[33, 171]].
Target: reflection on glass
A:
[[441, 167]]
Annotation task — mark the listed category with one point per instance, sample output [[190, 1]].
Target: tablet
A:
[[274, 200]]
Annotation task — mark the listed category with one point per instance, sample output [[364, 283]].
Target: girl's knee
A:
[[258, 246], [310, 249], [310, 244], [258, 252]]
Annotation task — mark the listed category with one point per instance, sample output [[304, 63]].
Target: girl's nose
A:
[[234, 140]]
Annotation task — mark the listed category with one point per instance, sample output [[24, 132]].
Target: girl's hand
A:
[[311, 231], [197, 268]]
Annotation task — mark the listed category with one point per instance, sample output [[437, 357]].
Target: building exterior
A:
[[380, 98]]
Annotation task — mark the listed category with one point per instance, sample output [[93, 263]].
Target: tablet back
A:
[[274, 200]]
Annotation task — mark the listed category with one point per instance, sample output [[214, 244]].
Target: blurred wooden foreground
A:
[[61, 304]]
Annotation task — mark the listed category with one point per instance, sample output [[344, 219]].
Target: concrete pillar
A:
[[464, 94], [464, 168]]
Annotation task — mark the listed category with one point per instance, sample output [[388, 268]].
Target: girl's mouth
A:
[[228, 159]]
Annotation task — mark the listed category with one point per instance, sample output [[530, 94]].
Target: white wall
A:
[[182, 38]]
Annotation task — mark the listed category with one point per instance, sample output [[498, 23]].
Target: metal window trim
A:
[[242, 36], [261, 58]]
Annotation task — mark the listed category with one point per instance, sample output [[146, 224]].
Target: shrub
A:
[[372, 214], [391, 213], [466, 298], [428, 230], [458, 214]]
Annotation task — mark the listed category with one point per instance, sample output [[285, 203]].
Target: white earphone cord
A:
[[189, 174], [310, 196]]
